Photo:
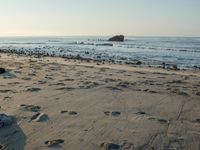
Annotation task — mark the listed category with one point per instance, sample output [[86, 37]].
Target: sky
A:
[[99, 17]]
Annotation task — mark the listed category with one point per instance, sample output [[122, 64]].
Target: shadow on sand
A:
[[12, 137]]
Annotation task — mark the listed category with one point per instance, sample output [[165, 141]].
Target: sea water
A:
[[153, 51]]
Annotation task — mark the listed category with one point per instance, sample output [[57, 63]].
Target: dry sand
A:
[[87, 106]]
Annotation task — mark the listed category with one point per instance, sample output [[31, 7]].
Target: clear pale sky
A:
[[100, 17]]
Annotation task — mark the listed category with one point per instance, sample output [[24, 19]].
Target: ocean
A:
[[151, 51]]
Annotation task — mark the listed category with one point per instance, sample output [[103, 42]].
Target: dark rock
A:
[[163, 65], [195, 67], [138, 63], [175, 67], [2, 70], [117, 38]]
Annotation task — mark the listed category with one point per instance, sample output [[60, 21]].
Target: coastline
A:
[[131, 106], [154, 51]]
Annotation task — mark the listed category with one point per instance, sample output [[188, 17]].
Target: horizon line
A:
[[175, 36]]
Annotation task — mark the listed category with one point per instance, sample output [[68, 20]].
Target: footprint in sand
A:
[[196, 120], [141, 113], [107, 113], [153, 92], [33, 89], [123, 84], [127, 145], [39, 117], [7, 98], [63, 111], [110, 146], [72, 113], [114, 113], [53, 143], [198, 93], [26, 78], [65, 88], [160, 120], [113, 88], [31, 107], [42, 82]]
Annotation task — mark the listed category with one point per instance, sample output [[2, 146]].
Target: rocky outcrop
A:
[[117, 38]]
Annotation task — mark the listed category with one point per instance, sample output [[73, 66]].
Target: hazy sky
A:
[[100, 17]]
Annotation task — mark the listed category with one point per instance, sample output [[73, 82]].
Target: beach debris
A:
[[117, 38], [52, 143], [110, 146], [2, 70], [5, 120], [39, 117], [31, 107]]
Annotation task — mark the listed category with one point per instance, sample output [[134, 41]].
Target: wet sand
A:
[[71, 104]]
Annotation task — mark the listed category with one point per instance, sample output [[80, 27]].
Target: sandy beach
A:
[[58, 103]]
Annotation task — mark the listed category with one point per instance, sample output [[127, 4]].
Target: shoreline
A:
[[94, 105], [136, 63]]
